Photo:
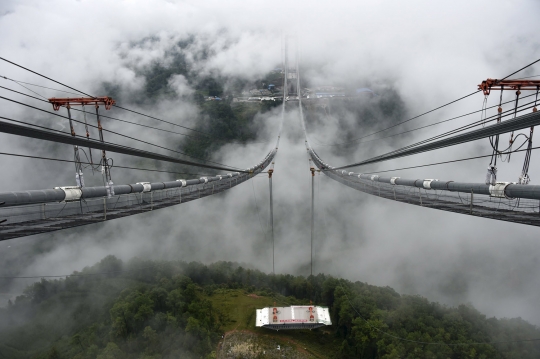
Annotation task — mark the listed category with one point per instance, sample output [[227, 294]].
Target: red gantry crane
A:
[[107, 102], [513, 85]]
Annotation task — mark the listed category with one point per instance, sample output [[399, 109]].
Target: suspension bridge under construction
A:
[[34, 211]]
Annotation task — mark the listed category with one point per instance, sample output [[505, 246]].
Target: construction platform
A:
[[293, 317]]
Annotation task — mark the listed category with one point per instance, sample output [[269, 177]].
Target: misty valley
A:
[[248, 180], [166, 309]]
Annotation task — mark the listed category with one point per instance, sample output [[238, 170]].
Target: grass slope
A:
[[240, 305]]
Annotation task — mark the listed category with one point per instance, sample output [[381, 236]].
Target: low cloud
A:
[[421, 55]]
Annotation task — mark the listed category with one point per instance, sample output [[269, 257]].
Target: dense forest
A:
[[151, 309]]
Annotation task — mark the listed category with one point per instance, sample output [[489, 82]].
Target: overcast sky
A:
[[428, 52]]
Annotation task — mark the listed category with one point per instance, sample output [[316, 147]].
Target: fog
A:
[[420, 54]]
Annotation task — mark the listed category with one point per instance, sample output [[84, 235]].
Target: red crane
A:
[[494, 84], [68, 102]]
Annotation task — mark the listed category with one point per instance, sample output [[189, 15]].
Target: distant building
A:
[[293, 317], [328, 94], [365, 90]]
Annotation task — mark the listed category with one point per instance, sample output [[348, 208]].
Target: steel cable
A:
[[422, 127], [113, 132], [48, 134], [84, 93], [113, 166]]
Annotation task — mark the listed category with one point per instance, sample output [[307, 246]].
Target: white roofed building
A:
[[293, 317]]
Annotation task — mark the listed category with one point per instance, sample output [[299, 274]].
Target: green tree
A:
[[111, 351]]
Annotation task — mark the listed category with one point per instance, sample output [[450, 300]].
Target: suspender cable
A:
[[524, 178], [491, 175], [270, 171], [312, 169], [79, 179], [88, 136], [518, 92]]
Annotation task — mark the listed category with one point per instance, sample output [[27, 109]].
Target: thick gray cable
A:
[[512, 190], [519, 123], [113, 132], [59, 137], [58, 195]]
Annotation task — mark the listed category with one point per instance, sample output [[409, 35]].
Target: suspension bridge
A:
[[34, 211]]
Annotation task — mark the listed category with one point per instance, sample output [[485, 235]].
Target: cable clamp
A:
[[393, 180], [229, 175], [204, 179], [499, 190], [427, 183], [351, 173], [147, 187], [220, 177], [184, 182], [491, 175], [79, 178], [110, 189], [375, 178], [71, 193], [524, 179]]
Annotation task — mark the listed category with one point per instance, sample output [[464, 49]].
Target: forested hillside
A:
[[146, 309], [218, 121]]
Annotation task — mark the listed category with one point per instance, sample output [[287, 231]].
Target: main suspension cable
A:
[[402, 122], [113, 132], [447, 162], [48, 134], [466, 127], [423, 142], [90, 163], [508, 126], [421, 127], [46, 100]]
